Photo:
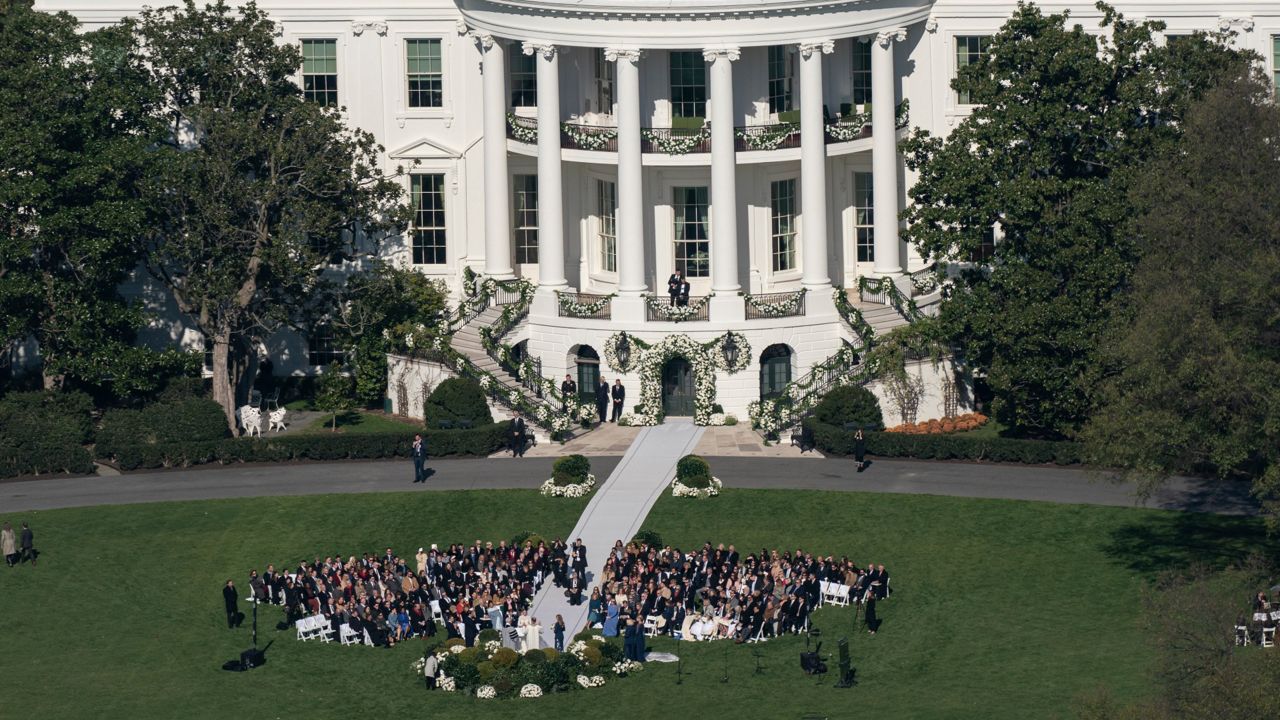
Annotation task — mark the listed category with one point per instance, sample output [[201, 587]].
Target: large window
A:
[[1275, 60], [775, 371], [604, 83], [322, 348], [779, 79], [692, 247], [688, 84], [782, 223], [424, 73], [861, 72], [526, 218], [524, 80], [970, 50], [986, 249], [864, 217], [607, 212], [426, 193], [320, 71]]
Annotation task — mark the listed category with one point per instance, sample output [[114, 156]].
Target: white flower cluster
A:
[[591, 682], [672, 144], [716, 419], [767, 137], [457, 649], [578, 649], [588, 137], [679, 489], [782, 308], [486, 692], [676, 313], [418, 666], [571, 491], [586, 413], [448, 684], [627, 420], [623, 667], [530, 691], [492, 647], [521, 131]]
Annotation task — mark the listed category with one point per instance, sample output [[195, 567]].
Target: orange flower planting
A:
[[960, 423]]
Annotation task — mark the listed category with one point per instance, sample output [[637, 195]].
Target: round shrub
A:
[[454, 641], [570, 470], [850, 404], [504, 658], [593, 656], [455, 400], [504, 686], [486, 670], [535, 657], [550, 654], [526, 536], [469, 656], [487, 635], [584, 635], [648, 537], [693, 471]]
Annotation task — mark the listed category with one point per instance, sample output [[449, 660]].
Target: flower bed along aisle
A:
[[570, 477], [694, 479]]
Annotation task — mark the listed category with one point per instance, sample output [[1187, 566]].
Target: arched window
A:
[[588, 362], [775, 370]]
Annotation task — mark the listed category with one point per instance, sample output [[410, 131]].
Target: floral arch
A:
[[625, 353]]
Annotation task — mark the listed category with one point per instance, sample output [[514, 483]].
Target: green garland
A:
[[853, 318], [570, 307], [767, 137], [676, 313], [782, 308]]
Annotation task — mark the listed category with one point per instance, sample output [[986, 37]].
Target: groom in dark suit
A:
[[602, 400], [674, 283], [619, 399]]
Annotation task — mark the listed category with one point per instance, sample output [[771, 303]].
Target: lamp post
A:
[[624, 351], [730, 350]]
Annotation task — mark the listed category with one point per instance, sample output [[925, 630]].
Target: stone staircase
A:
[[466, 341], [881, 318]]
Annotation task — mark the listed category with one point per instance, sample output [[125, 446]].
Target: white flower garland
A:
[[679, 489], [676, 313], [676, 144], [571, 491], [769, 137], [572, 308], [589, 137], [782, 308], [486, 692], [522, 133], [530, 691], [650, 359], [849, 129]]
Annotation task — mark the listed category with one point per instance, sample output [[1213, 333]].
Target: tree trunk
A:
[[335, 422], [224, 388]]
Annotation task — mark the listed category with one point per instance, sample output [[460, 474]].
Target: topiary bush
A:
[[486, 670], [550, 654], [648, 537], [469, 656], [454, 641], [526, 536], [584, 635], [486, 635], [504, 658], [593, 656], [455, 400], [693, 471], [570, 470], [535, 657], [850, 404]]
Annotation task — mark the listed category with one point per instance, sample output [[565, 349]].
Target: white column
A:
[[724, 204], [497, 189], [813, 165], [550, 180], [630, 175], [884, 152]]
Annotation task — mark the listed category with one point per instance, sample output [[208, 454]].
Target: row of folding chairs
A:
[[1266, 639], [314, 627], [834, 593]]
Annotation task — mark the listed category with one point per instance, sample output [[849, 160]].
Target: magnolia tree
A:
[[258, 187]]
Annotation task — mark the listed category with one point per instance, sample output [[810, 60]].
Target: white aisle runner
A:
[[616, 512]]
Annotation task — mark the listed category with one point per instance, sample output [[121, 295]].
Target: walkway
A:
[[617, 510]]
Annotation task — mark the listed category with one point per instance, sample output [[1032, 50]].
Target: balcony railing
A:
[[574, 136], [767, 137], [774, 305], [675, 141], [522, 129], [585, 305], [661, 310]]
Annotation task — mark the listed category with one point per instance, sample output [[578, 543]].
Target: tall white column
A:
[[497, 190], [630, 175], [884, 153], [550, 180], [813, 165], [724, 203]]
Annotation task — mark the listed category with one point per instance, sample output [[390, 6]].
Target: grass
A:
[[358, 422], [1003, 609]]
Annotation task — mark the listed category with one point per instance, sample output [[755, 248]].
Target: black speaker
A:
[[252, 658]]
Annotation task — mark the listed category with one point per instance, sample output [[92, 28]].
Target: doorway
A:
[[677, 387]]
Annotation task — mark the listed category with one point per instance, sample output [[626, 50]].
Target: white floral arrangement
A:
[[589, 137], [783, 308], [591, 682], [530, 691], [418, 667], [849, 128], [586, 413], [457, 649], [570, 307], [672, 144], [679, 489], [624, 667], [716, 419], [705, 358], [570, 491], [578, 649], [521, 132], [677, 313], [448, 684], [486, 692], [492, 647], [627, 419], [767, 137]]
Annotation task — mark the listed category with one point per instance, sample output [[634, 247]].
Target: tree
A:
[[334, 392], [257, 188], [1068, 117], [76, 123], [1198, 355]]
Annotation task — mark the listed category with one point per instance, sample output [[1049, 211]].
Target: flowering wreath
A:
[[676, 144], [783, 308], [576, 490], [589, 137], [705, 358], [570, 307], [676, 313], [767, 137], [520, 131]]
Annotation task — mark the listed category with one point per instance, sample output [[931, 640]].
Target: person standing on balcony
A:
[[619, 398], [674, 284], [602, 399], [682, 297], [568, 389]]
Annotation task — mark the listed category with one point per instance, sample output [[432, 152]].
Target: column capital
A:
[[545, 49], [885, 38], [823, 47], [359, 26], [1243, 23], [729, 53], [614, 54], [931, 24]]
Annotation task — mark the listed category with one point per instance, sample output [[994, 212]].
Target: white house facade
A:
[[595, 147]]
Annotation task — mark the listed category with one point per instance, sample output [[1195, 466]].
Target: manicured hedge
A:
[[570, 470], [836, 441], [481, 441], [44, 432], [456, 400], [189, 419]]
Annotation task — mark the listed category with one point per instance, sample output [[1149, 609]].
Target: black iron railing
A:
[[585, 305], [661, 310], [774, 305]]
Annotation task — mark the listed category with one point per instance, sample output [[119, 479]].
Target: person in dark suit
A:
[[515, 442], [674, 283], [860, 449], [574, 593], [873, 622], [231, 598], [419, 454], [619, 398], [568, 389], [26, 548], [602, 399], [682, 298]]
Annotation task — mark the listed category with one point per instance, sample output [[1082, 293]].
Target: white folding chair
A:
[[1268, 637], [367, 640], [1242, 636], [1259, 617], [841, 595], [324, 629], [347, 636], [304, 627], [651, 626], [435, 610], [824, 591]]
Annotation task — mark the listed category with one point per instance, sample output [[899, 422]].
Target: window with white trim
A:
[[604, 83], [780, 79], [970, 50], [692, 244], [525, 188], [861, 72], [782, 224], [320, 72], [524, 80], [607, 226], [864, 217], [323, 348], [426, 197], [688, 84], [424, 72]]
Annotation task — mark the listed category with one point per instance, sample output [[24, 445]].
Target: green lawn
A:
[[1003, 609], [357, 422]]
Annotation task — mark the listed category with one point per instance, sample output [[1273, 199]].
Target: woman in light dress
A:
[[533, 635], [10, 545], [522, 630]]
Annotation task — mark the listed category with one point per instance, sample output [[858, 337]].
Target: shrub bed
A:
[[694, 479], [570, 477], [190, 419], [44, 432], [481, 441], [837, 441]]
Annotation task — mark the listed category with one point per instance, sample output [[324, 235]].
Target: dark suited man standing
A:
[[674, 284], [682, 297], [619, 399], [26, 547], [602, 399], [516, 441], [568, 389], [231, 600], [419, 453]]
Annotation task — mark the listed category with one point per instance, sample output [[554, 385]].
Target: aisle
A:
[[616, 512]]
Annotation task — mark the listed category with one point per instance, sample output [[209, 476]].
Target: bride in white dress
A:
[[533, 635]]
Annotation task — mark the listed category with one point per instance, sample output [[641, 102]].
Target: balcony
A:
[[774, 305], [584, 305], [661, 310]]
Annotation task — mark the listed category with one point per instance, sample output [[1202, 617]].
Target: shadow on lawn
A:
[[1177, 540]]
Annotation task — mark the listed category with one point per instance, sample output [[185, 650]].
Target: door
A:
[[677, 387]]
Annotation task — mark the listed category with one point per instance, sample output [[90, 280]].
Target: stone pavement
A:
[[610, 439], [616, 511], [741, 441], [606, 439]]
